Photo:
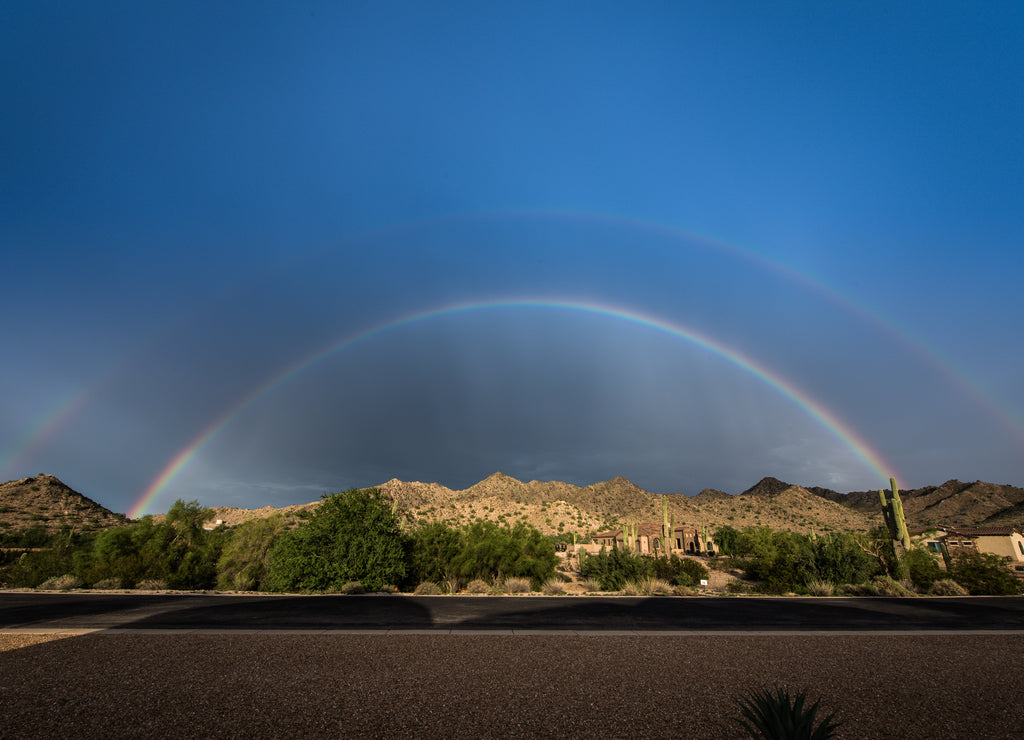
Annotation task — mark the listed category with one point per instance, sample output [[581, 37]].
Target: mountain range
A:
[[554, 506]]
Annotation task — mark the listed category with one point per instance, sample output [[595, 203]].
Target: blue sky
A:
[[197, 199]]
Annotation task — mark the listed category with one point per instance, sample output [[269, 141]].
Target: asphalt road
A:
[[42, 611]]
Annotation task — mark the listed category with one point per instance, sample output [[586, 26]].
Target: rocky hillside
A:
[[556, 507], [953, 503], [46, 501]]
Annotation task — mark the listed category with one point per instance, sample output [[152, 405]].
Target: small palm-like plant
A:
[[779, 716]]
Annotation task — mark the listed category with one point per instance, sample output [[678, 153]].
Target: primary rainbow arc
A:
[[816, 410]]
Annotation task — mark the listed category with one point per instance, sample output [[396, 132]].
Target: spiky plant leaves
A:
[[778, 716]]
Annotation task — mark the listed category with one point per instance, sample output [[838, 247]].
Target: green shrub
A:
[[679, 571], [612, 569], [108, 583], [352, 536], [432, 552], [493, 551], [427, 588], [244, 559], [352, 588], [984, 574], [177, 551], [726, 538], [779, 716], [922, 568], [786, 562]]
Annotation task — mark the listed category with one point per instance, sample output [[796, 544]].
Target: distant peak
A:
[[499, 477], [767, 486]]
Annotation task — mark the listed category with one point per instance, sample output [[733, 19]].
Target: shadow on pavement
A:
[[291, 613], [563, 613]]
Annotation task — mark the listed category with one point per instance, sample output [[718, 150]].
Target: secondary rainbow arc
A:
[[815, 409], [60, 414]]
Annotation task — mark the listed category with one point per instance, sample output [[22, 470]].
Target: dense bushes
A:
[[177, 552], [432, 551], [922, 569], [243, 564], [482, 550], [787, 562], [614, 569], [784, 562], [351, 537], [353, 542], [489, 551], [984, 574]]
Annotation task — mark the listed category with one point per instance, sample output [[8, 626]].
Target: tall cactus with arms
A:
[[892, 512]]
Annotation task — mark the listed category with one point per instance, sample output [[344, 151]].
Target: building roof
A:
[[979, 531]]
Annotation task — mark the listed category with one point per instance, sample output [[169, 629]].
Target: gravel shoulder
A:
[[461, 686]]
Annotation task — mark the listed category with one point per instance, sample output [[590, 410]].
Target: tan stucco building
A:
[[1006, 542], [686, 540]]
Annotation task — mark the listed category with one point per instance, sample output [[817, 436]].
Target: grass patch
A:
[[478, 586], [516, 586], [947, 587], [552, 587], [151, 584], [61, 583], [820, 588]]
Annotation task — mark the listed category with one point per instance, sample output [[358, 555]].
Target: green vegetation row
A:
[[356, 537], [352, 537], [854, 564]]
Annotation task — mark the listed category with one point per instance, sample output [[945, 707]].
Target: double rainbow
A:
[[816, 410]]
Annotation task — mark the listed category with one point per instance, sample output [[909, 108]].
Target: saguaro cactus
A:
[[666, 527], [892, 512]]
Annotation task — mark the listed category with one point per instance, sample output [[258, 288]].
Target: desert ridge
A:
[[557, 507]]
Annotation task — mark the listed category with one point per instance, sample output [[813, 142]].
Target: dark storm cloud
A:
[[199, 198]]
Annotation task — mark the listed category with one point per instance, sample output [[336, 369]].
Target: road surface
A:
[[221, 612]]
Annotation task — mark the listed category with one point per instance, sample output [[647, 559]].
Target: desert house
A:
[[647, 540], [1006, 542]]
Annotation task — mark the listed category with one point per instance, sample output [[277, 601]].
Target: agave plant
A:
[[778, 716]]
